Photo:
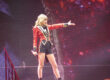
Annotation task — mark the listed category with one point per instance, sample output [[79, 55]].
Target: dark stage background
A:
[[85, 48]]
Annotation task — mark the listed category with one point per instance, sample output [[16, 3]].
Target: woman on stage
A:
[[41, 30]]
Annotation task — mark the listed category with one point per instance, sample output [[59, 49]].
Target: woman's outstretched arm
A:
[[60, 25]]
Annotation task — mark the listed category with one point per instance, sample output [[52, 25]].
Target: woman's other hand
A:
[[71, 24]]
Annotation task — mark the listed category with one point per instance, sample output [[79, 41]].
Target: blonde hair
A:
[[40, 19]]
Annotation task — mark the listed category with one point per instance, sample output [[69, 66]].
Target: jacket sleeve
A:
[[35, 36], [56, 26]]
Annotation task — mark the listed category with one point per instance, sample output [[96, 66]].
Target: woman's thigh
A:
[[41, 58], [52, 60]]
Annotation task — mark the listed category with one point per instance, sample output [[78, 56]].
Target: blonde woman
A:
[[41, 30]]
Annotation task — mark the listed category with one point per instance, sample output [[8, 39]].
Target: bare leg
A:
[[53, 63], [41, 58]]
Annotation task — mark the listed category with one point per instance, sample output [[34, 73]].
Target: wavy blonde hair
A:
[[40, 19]]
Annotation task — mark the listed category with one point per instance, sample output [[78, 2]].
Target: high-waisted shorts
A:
[[46, 47]]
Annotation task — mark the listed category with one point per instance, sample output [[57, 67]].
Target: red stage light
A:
[[81, 53], [61, 4], [71, 0], [70, 61], [101, 1], [93, 0]]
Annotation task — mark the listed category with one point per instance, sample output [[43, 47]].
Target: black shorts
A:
[[46, 48]]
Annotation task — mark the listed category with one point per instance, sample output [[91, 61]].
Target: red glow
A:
[[101, 1], [71, 1], [93, 0], [81, 53], [61, 4], [70, 61]]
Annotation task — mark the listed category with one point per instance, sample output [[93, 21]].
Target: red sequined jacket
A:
[[37, 33]]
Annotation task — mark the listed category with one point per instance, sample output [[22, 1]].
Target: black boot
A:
[[59, 78]]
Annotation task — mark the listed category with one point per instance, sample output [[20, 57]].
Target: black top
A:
[[46, 33]]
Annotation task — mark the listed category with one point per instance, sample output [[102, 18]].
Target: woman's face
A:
[[44, 22]]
